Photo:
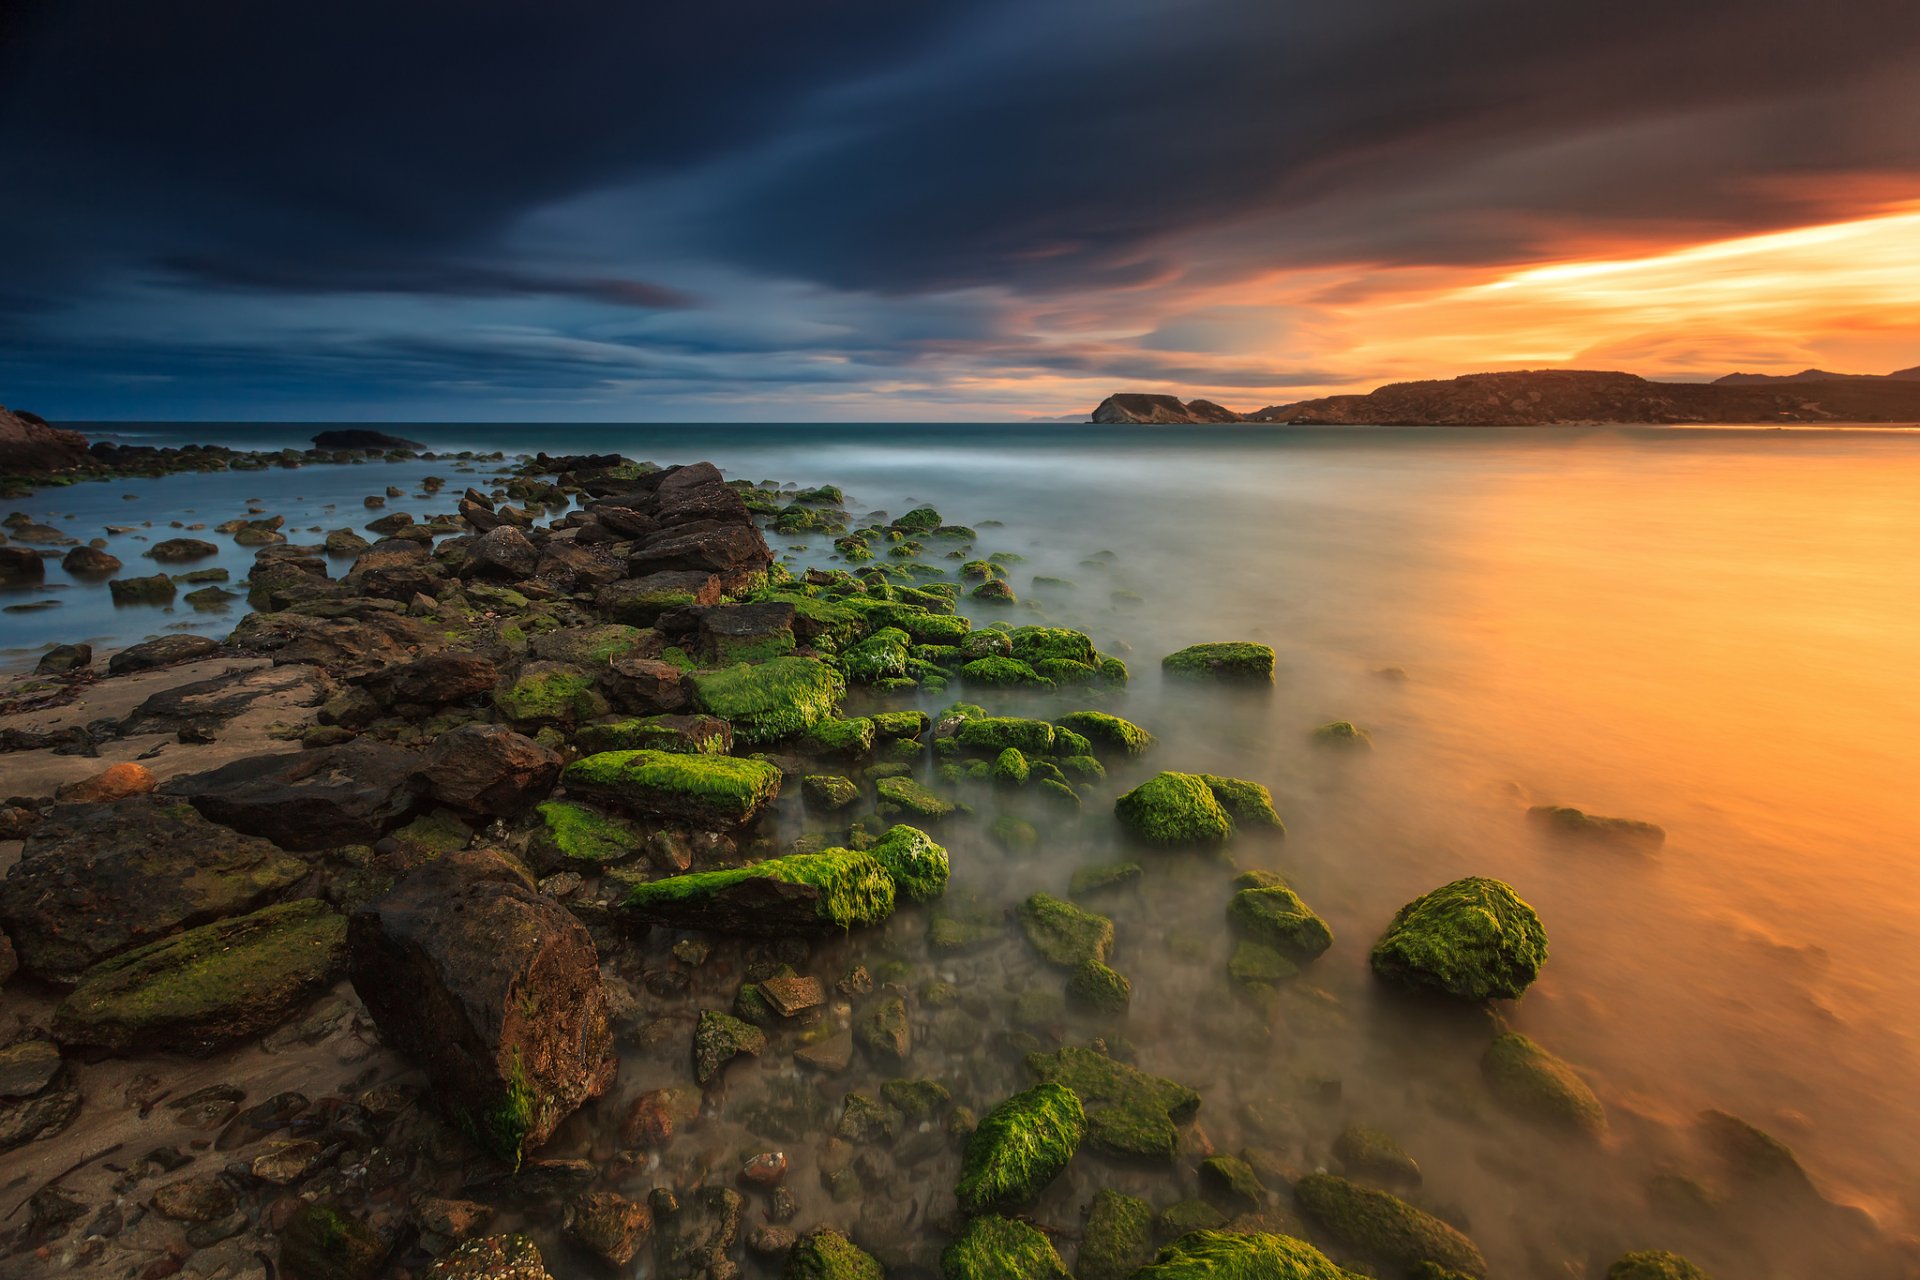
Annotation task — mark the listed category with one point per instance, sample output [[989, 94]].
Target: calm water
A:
[[1718, 631]]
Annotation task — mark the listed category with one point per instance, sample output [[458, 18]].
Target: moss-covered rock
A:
[[994, 591], [689, 735], [1474, 939], [902, 795], [719, 1038], [1096, 987], [1230, 660], [1043, 644], [1118, 1239], [1381, 1227], [1568, 823], [1129, 1113], [550, 693], [1231, 1255], [1005, 673], [1343, 735], [1009, 768], [833, 889], [711, 790], [1019, 1147], [1655, 1264], [1183, 1217], [1365, 1151], [1174, 810], [886, 1031], [900, 724], [917, 864], [574, 833], [828, 793], [1089, 881], [990, 735], [1015, 835], [843, 738], [1533, 1083], [1266, 910], [1063, 934], [780, 698], [827, 1255], [991, 1247], [880, 656], [1232, 1181], [209, 986], [1248, 803], [1107, 733], [917, 1100]]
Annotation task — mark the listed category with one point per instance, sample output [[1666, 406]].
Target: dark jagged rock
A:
[[90, 562], [95, 880], [28, 446], [435, 680], [22, 564], [1124, 407], [361, 641], [165, 651], [63, 658], [641, 600], [488, 768], [503, 553], [694, 1236], [353, 793], [736, 554], [494, 989]]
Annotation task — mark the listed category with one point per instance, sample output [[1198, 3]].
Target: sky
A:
[[763, 210]]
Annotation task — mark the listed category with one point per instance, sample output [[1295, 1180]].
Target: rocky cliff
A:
[[1133, 406], [28, 445]]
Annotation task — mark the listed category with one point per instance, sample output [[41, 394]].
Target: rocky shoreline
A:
[[573, 896]]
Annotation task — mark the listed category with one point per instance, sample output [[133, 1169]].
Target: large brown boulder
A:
[[95, 880], [503, 553], [353, 793], [433, 681], [29, 445], [488, 768], [494, 989], [735, 553], [348, 643]]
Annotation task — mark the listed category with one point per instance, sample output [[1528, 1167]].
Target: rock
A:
[[175, 550], [322, 1243], [688, 735], [649, 1122], [718, 1039], [803, 892], [765, 1169], [641, 601], [27, 1067], [608, 1226], [1343, 735], [1108, 734], [730, 633], [24, 1120], [282, 1164], [1368, 1152], [116, 783], [771, 1241], [580, 837], [1232, 1253], [502, 1257], [1063, 934], [646, 685], [1755, 1159], [1266, 910], [1096, 988], [1232, 1181], [1654, 1264], [353, 793], [166, 651], [736, 554], [99, 879], [155, 589], [990, 1247], [1019, 1147], [489, 769], [917, 866], [1572, 824], [361, 642], [881, 656], [885, 1031], [452, 1219], [831, 1055], [90, 562], [694, 1238], [1174, 810], [1234, 661], [19, 565], [792, 993], [1533, 1083], [203, 1199], [494, 989], [550, 693], [436, 680], [713, 791], [828, 793], [1382, 1227], [197, 711], [1474, 939], [1248, 803], [902, 795], [222, 982], [768, 701], [63, 658], [362, 438], [503, 553], [1129, 1113], [30, 446], [344, 542], [1118, 1239], [388, 525], [827, 1255]]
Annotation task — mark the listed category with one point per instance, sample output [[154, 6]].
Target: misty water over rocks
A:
[[1709, 631]]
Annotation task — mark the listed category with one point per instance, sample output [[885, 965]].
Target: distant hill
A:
[[1549, 397], [1814, 375]]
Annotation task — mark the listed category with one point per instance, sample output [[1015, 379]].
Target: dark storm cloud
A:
[[423, 277]]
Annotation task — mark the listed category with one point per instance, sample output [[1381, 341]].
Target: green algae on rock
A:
[[1019, 1147], [688, 735], [1565, 821], [779, 698], [1097, 987], [1063, 934], [1247, 803], [550, 693], [990, 1247], [990, 735], [209, 986], [833, 889], [1474, 939], [1381, 1227], [1107, 733], [1234, 1255], [1229, 660], [880, 656], [1362, 1149], [828, 792], [1655, 1264], [1534, 1083], [845, 738], [1129, 1113], [1343, 734], [712, 790], [1009, 768], [904, 795], [918, 865], [900, 724], [1088, 881], [1118, 1238], [1183, 1217], [825, 1254], [719, 1039], [1174, 810], [1265, 909], [575, 833], [1232, 1181], [1000, 672]]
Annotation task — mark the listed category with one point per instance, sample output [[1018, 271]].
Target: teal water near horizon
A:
[[1715, 630]]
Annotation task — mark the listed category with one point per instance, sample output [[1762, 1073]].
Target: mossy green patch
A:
[[844, 738], [1107, 733], [1063, 934], [1174, 809], [881, 656], [1343, 735], [904, 795], [1248, 803], [1118, 1238], [1381, 1227], [1019, 1147], [1474, 939], [828, 1255], [1534, 1083], [849, 888], [1265, 909], [772, 700], [900, 724], [1107, 876], [721, 790], [1096, 987], [1009, 768], [696, 735], [1039, 644], [918, 865], [990, 735], [1231, 660], [552, 695], [1129, 1113], [828, 793], [1000, 673], [990, 1247], [582, 835], [1654, 1264], [1234, 1255]]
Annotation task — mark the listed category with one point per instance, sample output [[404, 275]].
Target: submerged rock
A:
[[1573, 824], [1368, 1152], [1229, 660], [1266, 910], [1064, 934], [1229, 1255], [1655, 1264], [209, 986], [1474, 939], [1129, 1113], [1344, 735], [1107, 733], [714, 791], [1118, 1239], [825, 1254], [918, 866], [1019, 1147], [990, 1247], [1381, 1227], [322, 1243], [835, 889], [1534, 1083], [494, 989], [1174, 810]]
